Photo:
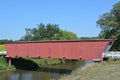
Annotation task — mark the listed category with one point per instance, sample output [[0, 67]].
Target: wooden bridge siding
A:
[[87, 50]]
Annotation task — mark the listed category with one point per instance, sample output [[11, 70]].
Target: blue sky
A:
[[78, 16]]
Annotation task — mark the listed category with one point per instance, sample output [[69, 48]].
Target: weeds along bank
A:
[[98, 71], [4, 64]]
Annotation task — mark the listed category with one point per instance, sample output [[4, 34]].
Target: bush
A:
[[3, 63]]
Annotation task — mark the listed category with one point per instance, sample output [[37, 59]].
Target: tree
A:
[[110, 25], [65, 35], [3, 41], [42, 32], [47, 32]]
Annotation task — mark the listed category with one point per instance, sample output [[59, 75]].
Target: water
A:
[[45, 73]]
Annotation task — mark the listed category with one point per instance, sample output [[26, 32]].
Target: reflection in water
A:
[[15, 76], [45, 73]]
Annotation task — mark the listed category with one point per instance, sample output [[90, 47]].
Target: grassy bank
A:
[[98, 71], [4, 64], [2, 47], [42, 62]]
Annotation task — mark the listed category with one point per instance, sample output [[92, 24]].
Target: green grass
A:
[[4, 64], [2, 47], [97, 71], [42, 62]]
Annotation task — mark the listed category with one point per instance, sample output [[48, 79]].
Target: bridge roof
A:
[[49, 41]]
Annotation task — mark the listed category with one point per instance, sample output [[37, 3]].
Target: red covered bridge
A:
[[72, 49]]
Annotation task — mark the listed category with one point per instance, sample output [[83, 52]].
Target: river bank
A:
[[4, 65], [97, 71]]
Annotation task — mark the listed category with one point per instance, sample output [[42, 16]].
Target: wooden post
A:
[[9, 61]]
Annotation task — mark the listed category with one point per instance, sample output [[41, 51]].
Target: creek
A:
[[50, 72]]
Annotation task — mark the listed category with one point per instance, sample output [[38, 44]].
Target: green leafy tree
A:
[[3, 41], [65, 35], [48, 32], [42, 32], [110, 25]]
